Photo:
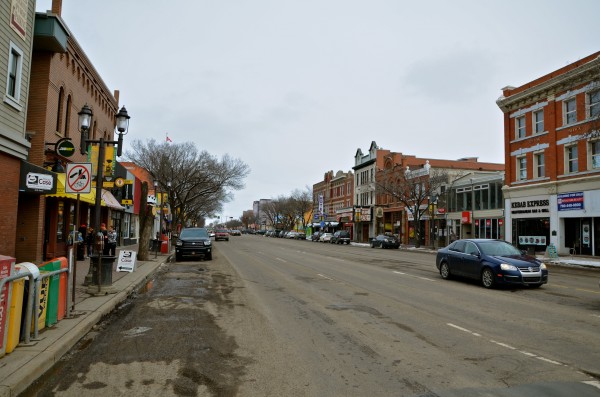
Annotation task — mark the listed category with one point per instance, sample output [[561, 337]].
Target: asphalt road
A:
[[274, 317]]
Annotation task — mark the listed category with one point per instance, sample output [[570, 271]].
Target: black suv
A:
[[193, 241], [340, 237]]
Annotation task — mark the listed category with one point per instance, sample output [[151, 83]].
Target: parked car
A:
[[291, 235], [191, 242], [385, 241], [325, 237], [211, 233], [235, 232], [494, 262], [221, 234], [340, 237], [315, 236]]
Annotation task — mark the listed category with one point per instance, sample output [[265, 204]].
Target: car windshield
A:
[[186, 233], [498, 248]]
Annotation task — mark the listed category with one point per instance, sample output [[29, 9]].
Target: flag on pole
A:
[[168, 139]]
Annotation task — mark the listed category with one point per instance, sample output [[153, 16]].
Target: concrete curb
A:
[[27, 363]]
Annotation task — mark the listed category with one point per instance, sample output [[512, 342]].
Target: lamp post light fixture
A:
[[122, 124]]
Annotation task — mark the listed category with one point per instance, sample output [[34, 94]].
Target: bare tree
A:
[[415, 189], [303, 203], [197, 183], [146, 220]]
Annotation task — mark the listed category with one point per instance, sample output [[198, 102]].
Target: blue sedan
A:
[[494, 262]]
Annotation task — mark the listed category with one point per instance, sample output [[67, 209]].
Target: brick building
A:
[[16, 40], [63, 81], [332, 199], [552, 152]]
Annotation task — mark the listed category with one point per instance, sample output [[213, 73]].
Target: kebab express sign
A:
[[532, 207]]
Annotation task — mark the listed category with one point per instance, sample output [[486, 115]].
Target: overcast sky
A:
[[294, 87]]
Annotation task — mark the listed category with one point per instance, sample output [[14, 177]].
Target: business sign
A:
[[532, 207], [34, 179], [65, 148], [126, 262], [321, 204], [570, 201]]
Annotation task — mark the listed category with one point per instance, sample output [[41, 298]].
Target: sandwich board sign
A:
[[126, 262]]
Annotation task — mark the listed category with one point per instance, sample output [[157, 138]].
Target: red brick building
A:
[[552, 152], [63, 81], [332, 198]]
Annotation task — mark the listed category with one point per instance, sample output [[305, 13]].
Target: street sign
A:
[[79, 178], [126, 262]]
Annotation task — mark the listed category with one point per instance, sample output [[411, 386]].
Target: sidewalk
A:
[[26, 363]]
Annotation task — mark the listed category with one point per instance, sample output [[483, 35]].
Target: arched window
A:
[[61, 95], [68, 116]]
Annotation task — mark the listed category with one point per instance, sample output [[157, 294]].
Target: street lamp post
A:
[[85, 119]]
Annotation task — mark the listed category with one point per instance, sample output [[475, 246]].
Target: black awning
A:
[[35, 179]]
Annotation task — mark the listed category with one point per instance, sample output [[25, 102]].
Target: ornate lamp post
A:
[[85, 121]]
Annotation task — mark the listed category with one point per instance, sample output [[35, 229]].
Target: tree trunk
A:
[[146, 223]]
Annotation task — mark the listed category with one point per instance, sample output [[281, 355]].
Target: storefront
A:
[[363, 223], [530, 222], [344, 217], [579, 219]]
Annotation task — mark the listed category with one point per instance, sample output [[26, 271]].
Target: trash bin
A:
[[15, 314], [35, 271], [164, 247], [7, 267], [63, 288], [106, 269], [53, 290]]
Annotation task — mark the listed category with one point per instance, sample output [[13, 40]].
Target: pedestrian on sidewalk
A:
[[89, 241], [112, 241]]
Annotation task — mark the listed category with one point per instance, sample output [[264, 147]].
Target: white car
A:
[[325, 237]]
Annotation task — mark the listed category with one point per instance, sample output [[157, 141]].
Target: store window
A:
[[572, 164], [538, 120], [539, 165], [570, 111], [520, 126], [521, 168], [595, 154], [60, 223]]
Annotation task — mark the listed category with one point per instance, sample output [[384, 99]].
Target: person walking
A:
[[89, 240], [112, 241]]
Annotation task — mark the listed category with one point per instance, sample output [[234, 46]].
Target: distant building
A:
[[552, 154], [260, 215]]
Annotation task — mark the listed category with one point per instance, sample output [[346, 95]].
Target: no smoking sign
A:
[[79, 178]]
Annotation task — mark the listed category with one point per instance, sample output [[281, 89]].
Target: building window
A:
[[594, 104], [570, 111], [521, 168], [67, 116], [13, 79], [595, 154], [538, 120], [571, 157], [520, 127], [539, 165], [61, 97]]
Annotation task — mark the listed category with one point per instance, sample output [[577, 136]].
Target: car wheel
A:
[[178, 258], [445, 270], [372, 244], [208, 257], [487, 278]]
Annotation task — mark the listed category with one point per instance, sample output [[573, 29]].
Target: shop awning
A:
[[110, 201], [60, 192]]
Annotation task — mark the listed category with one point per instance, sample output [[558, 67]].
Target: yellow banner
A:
[[110, 159]]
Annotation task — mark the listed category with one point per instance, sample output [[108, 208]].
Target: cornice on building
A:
[[549, 88]]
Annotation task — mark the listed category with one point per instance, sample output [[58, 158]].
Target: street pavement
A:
[[19, 369], [25, 364]]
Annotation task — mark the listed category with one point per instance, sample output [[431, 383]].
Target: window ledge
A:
[[10, 101]]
